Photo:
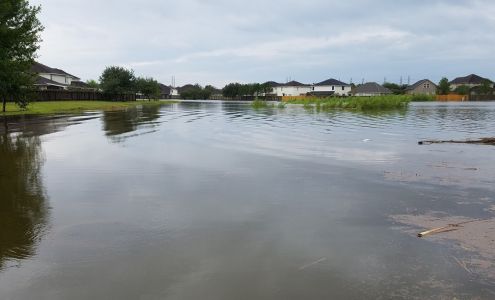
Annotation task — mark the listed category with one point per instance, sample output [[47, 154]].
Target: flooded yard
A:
[[217, 200]]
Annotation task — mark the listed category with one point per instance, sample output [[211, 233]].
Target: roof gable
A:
[[332, 81], [295, 83], [417, 84], [470, 79], [371, 88], [39, 68]]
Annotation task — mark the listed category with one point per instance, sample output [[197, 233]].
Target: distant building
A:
[[292, 88], [168, 92], [422, 87], [371, 89], [471, 81], [56, 79], [331, 87]]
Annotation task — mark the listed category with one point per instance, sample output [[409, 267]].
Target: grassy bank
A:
[[356, 103], [53, 107]]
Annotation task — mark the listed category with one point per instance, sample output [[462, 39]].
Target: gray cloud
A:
[[218, 41]]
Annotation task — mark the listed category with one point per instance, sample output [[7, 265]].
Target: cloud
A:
[[217, 41]]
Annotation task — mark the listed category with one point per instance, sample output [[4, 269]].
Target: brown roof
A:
[[41, 68]]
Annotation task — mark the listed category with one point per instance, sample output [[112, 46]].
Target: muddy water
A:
[[219, 201]]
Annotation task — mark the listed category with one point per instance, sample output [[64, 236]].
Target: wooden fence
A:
[[62, 95], [452, 97]]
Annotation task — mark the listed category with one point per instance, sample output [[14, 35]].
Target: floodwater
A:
[[211, 200]]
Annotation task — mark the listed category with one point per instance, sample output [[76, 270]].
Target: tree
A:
[[93, 84], [231, 90], [443, 87], [19, 40], [149, 87], [486, 87], [117, 80], [195, 92], [395, 88], [462, 90]]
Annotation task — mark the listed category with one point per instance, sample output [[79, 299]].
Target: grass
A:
[[259, 104], [53, 107], [423, 98], [355, 103]]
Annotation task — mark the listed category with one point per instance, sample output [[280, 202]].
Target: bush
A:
[[422, 98]]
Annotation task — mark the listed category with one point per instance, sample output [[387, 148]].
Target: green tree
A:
[[93, 84], [117, 80], [19, 40], [195, 92], [443, 87], [149, 87], [486, 87], [462, 90], [395, 88]]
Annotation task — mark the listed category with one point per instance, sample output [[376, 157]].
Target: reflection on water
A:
[[117, 123], [217, 200], [23, 204]]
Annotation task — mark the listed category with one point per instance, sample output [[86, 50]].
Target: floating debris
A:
[[482, 141]]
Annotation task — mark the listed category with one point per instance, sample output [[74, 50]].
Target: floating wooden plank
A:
[[482, 141]]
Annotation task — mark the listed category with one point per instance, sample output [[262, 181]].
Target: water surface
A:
[[212, 200]]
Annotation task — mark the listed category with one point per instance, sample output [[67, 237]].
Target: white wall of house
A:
[[174, 92], [471, 85], [368, 94], [291, 90], [341, 90], [62, 79]]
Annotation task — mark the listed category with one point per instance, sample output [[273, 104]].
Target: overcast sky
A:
[[220, 41]]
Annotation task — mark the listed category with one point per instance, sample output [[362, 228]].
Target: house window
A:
[[343, 88], [333, 88]]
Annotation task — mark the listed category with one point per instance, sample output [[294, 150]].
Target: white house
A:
[[292, 88], [52, 78], [331, 87], [168, 92]]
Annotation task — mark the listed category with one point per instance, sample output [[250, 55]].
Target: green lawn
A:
[[52, 107]]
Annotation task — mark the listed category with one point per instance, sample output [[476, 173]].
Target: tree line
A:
[[237, 90]]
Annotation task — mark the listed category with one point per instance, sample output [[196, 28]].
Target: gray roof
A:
[[332, 81], [470, 79], [164, 89], [415, 85], [272, 83], [41, 68], [295, 83], [44, 81], [371, 88]]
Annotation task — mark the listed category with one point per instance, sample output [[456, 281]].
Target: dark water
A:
[[220, 201]]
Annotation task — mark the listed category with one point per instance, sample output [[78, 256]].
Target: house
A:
[[53, 78], [168, 92], [422, 87], [330, 87], [371, 89], [292, 88], [471, 81]]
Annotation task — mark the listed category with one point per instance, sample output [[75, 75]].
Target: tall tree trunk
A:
[[4, 103]]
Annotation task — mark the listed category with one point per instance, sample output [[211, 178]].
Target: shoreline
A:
[[55, 107]]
